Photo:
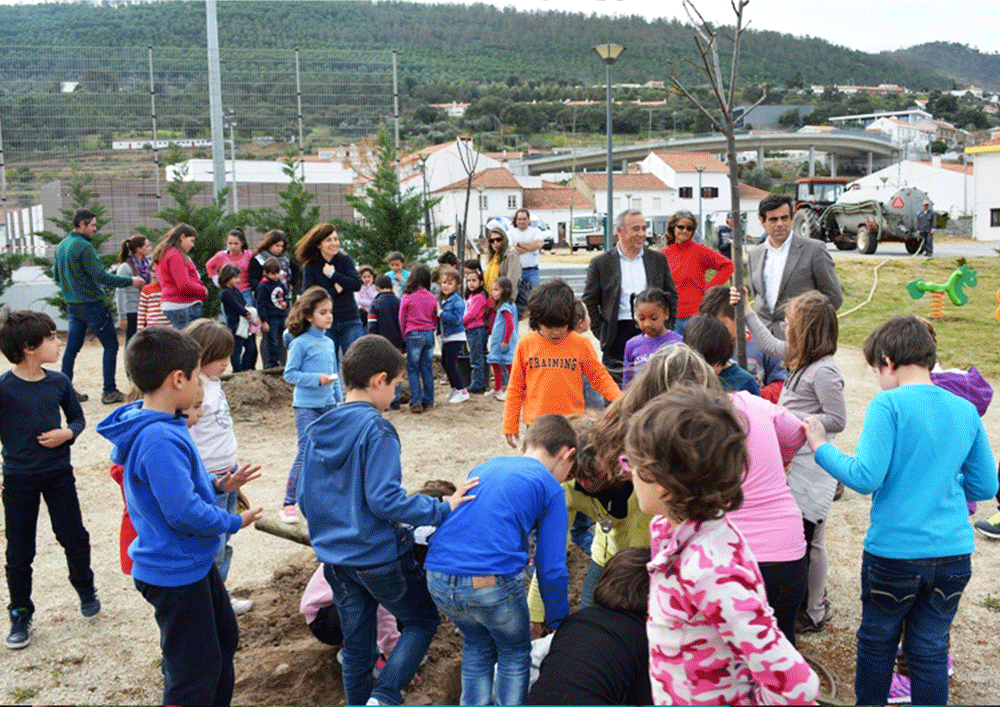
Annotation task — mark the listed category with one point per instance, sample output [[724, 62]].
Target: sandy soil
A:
[[114, 659]]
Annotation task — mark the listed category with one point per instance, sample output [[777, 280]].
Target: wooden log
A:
[[296, 533]]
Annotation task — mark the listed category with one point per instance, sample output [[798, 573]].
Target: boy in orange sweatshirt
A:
[[545, 377]]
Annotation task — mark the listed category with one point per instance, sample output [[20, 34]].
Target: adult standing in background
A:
[[613, 280], [785, 265], [325, 264], [526, 240], [273, 244], [133, 261], [182, 289], [80, 273], [689, 262], [926, 221], [503, 261]]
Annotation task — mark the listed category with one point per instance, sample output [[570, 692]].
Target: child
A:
[[711, 339], [272, 297], [368, 290], [767, 371], [36, 464], [213, 433], [238, 318], [351, 495], [417, 321], [712, 635], [651, 314], [915, 564], [150, 313], [545, 376], [397, 274], [503, 339], [312, 369], [477, 306], [171, 501], [476, 577], [452, 330], [383, 319], [132, 262], [814, 386]]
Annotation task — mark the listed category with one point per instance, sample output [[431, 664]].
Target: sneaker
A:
[[805, 624], [90, 607], [416, 408], [112, 397], [501, 396], [373, 701], [287, 514], [82, 397], [476, 391], [240, 606], [990, 527], [460, 396], [491, 393], [899, 690], [428, 406], [951, 666], [20, 629], [394, 405]]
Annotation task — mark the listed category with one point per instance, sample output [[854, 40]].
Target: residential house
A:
[[493, 192], [556, 205], [679, 170], [646, 192], [985, 196]]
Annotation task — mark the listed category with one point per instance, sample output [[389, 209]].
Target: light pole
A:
[[480, 190], [701, 226], [609, 53], [231, 124]]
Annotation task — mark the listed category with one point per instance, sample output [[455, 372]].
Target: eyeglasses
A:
[[680, 227], [496, 240]]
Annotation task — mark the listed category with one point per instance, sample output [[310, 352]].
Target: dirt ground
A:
[[114, 659]]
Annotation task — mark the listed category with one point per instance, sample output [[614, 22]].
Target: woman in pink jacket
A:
[[182, 289]]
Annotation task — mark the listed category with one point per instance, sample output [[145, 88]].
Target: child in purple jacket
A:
[[651, 313]]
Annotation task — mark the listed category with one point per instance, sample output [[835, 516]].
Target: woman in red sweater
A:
[[689, 263], [182, 289]]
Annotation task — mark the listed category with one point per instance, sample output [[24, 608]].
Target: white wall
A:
[[986, 196]]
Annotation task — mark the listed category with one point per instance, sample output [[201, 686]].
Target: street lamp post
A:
[[609, 53], [701, 225], [480, 190]]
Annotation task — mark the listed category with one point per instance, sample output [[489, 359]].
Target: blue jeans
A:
[[180, 318], [496, 630], [419, 357], [531, 276], [244, 354], [344, 334], [921, 596], [303, 418], [401, 588], [477, 356], [96, 316], [594, 571], [224, 555], [273, 347]]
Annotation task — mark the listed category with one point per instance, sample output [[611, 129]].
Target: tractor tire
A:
[[867, 241], [806, 224], [912, 245]]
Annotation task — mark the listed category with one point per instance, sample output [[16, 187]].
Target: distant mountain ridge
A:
[[481, 42], [964, 65]]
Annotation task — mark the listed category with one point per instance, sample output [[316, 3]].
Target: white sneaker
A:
[[288, 515], [490, 393], [501, 396], [240, 606], [460, 396]]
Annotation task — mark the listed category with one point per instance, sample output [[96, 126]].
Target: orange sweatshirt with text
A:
[[546, 378]]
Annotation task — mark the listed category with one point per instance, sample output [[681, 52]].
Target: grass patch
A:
[[22, 694], [991, 602]]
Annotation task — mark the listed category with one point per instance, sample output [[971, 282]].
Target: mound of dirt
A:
[[256, 390]]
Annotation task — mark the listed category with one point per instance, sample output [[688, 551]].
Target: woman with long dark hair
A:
[[325, 264], [182, 289], [133, 261]]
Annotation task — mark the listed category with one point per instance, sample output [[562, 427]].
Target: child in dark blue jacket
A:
[[452, 330], [383, 319], [351, 493], [238, 318], [272, 298]]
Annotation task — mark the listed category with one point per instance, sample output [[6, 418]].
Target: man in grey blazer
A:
[[613, 280], [786, 265]]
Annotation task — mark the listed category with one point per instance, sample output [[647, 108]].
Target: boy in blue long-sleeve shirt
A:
[[922, 454], [477, 557], [350, 491], [172, 503]]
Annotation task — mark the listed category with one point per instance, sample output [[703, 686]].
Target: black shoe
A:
[[477, 391], [416, 408], [428, 406], [112, 397], [20, 629], [90, 607], [82, 397], [394, 405]]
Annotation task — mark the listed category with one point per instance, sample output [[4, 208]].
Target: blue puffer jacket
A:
[[450, 319]]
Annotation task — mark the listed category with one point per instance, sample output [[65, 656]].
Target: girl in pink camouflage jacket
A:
[[713, 639]]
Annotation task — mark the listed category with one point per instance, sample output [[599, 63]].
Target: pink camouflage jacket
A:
[[713, 638]]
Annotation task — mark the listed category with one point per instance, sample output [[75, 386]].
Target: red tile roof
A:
[[685, 161], [621, 182], [493, 178], [749, 192], [555, 196], [953, 167]]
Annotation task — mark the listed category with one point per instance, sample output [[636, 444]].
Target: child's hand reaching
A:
[[231, 481], [815, 433], [458, 498], [734, 299], [250, 515], [53, 438]]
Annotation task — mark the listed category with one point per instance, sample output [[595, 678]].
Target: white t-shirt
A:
[[213, 434], [516, 235], [774, 267]]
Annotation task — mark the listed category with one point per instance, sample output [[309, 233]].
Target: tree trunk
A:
[[737, 247]]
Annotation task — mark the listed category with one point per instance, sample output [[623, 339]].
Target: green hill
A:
[[958, 62]]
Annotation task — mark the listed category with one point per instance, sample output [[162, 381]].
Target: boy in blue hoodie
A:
[[171, 500], [351, 493]]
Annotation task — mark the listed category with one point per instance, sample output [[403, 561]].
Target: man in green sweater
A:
[[80, 273]]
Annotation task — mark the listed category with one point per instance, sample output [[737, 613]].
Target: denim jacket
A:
[[450, 318]]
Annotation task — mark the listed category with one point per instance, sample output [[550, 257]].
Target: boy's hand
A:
[[231, 481], [734, 299], [537, 630], [458, 498], [512, 440], [250, 515], [265, 327], [53, 438], [325, 379], [815, 433]]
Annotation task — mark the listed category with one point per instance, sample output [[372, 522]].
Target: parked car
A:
[[548, 239]]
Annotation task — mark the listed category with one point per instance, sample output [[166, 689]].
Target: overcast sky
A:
[[868, 25]]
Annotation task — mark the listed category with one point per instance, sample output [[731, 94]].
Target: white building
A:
[[679, 170], [949, 186], [644, 192], [910, 136], [986, 197], [494, 192], [442, 165], [556, 205], [261, 172]]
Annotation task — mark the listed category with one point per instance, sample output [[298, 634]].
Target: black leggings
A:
[[449, 359], [785, 584]]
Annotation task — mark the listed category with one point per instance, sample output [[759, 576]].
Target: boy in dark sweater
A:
[[272, 298], [383, 319], [711, 339], [172, 503], [36, 465]]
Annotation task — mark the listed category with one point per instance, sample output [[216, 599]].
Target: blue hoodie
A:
[[169, 495], [350, 489], [450, 319]]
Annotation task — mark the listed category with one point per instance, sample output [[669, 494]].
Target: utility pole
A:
[[215, 99]]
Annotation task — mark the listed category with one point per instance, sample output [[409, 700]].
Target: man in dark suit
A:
[[613, 280], [786, 265]]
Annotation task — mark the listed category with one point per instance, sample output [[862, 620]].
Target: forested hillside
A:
[[455, 42], [958, 62]]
